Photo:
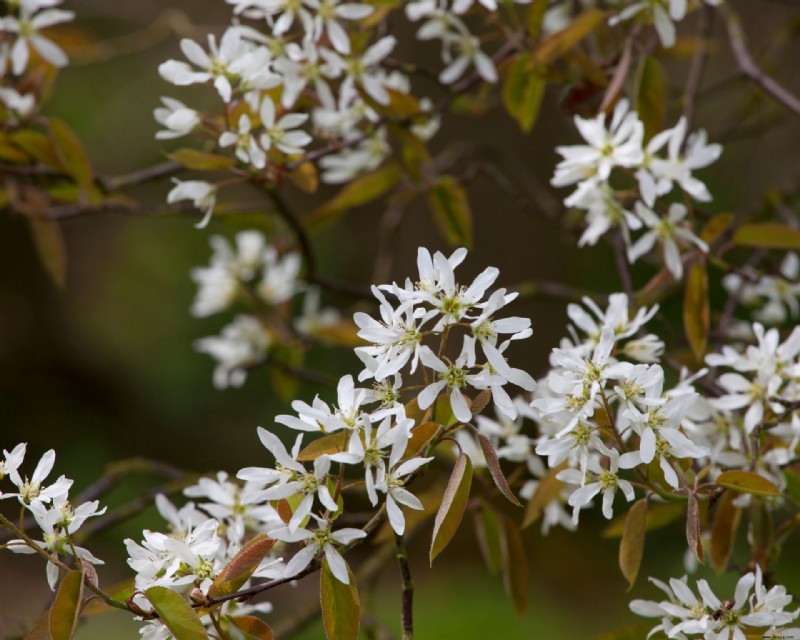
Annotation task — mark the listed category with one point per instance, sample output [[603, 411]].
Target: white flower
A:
[[320, 540], [363, 70], [202, 194], [27, 26], [282, 133], [391, 481], [326, 20], [33, 490], [453, 377], [280, 281], [242, 344], [247, 149], [469, 52], [178, 119], [667, 231]]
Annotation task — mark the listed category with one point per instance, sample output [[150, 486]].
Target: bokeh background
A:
[[104, 369]]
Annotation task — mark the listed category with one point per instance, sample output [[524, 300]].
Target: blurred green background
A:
[[104, 369]]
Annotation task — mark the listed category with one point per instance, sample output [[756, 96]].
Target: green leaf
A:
[[252, 628], [559, 43], [767, 235], [448, 203], [515, 566], [39, 146], [176, 614], [201, 161], [496, 472], [546, 491], [360, 191], [451, 509], [747, 482], [326, 445], [631, 547], [400, 106], [715, 227], [73, 156], [487, 529], [658, 515], [535, 17], [65, 612], [241, 567], [697, 310], [341, 608], [49, 242], [723, 531], [305, 177], [651, 96], [523, 90]]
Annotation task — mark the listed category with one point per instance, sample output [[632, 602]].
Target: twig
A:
[[695, 78], [556, 291], [623, 268], [141, 176], [749, 68], [408, 589]]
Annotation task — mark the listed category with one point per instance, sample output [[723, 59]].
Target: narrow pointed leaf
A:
[[747, 482], [693, 528], [200, 161], [723, 531], [489, 534], [496, 472], [448, 203], [176, 614], [451, 510], [73, 156], [546, 491], [252, 628], [631, 547], [515, 566], [49, 241], [535, 17], [767, 235], [66, 607], [326, 445], [697, 310], [341, 608], [421, 435], [557, 44], [523, 90], [651, 96], [241, 567]]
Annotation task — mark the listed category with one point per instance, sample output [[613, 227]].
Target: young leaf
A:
[[38, 146], [767, 235], [631, 547], [421, 435], [176, 614], [658, 515], [73, 156], [200, 161], [451, 510], [252, 628], [305, 177], [360, 191], [487, 529], [49, 241], [66, 609], [697, 310], [341, 608], [326, 445], [557, 44], [496, 472], [241, 567], [448, 203], [535, 16], [723, 531], [693, 528], [523, 90], [515, 566], [747, 482], [651, 96], [548, 488]]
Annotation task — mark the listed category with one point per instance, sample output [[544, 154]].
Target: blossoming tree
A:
[[653, 421]]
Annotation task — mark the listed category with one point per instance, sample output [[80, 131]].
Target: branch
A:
[[749, 68], [699, 59], [408, 589]]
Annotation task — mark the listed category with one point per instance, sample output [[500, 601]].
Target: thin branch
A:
[[695, 78], [558, 291], [749, 68], [408, 589], [112, 183]]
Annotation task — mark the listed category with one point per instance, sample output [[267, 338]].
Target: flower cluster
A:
[[685, 615], [668, 159], [254, 273], [774, 297], [49, 504], [20, 32]]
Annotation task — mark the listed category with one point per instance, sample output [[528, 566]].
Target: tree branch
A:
[[408, 589]]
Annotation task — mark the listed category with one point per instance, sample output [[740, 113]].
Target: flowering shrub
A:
[[696, 421]]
